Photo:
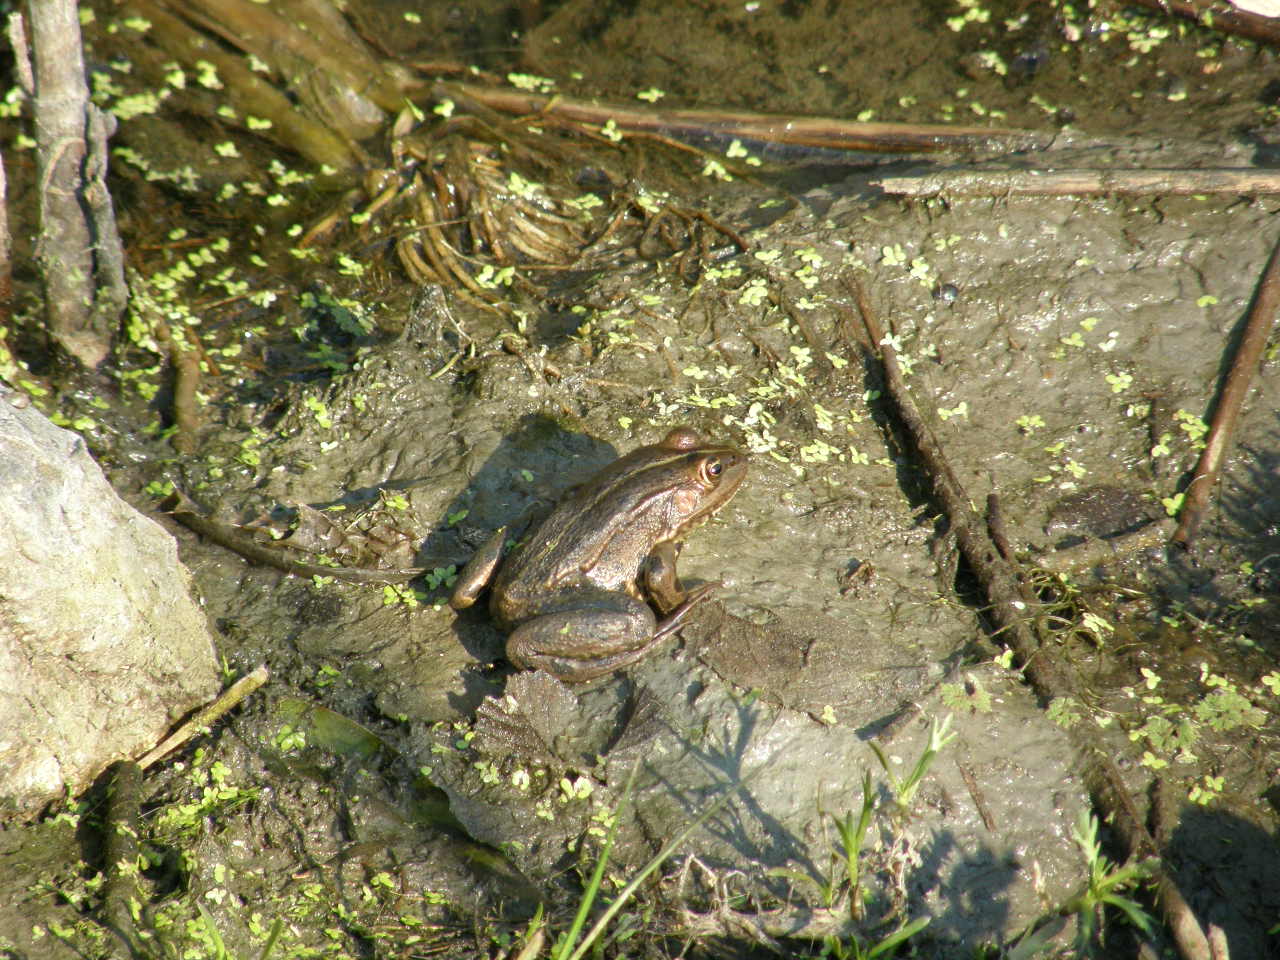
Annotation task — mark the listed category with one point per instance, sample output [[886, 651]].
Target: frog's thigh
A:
[[579, 644]]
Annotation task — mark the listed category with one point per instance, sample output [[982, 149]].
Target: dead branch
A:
[[206, 716], [1261, 318], [185, 511], [120, 850], [1081, 182], [1043, 669], [1221, 17], [305, 38], [248, 93], [825, 132]]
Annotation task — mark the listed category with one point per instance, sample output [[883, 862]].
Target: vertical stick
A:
[[1261, 319]]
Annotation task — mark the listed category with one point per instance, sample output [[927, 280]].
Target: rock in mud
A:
[[101, 645]]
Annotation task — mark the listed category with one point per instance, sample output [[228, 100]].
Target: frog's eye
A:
[[711, 469]]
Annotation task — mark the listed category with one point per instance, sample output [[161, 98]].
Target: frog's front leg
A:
[[662, 584], [586, 640]]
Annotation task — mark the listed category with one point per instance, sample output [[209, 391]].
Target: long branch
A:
[[1146, 182], [824, 132], [1262, 317], [1220, 16]]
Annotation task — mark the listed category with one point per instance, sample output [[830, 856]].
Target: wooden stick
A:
[[206, 715], [1261, 319], [185, 363], [1082, 182], [119, 835], [251, 94], [1093, 553], [1221, 17], [801, 131], [186, 512]]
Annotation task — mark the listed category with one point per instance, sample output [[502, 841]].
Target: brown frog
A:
[[573, 596]]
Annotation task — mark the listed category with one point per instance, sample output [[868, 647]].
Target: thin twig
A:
[[185, 511], [1261, 318], [1082, 182], [207, 715], [824, 132], [1222, 17]]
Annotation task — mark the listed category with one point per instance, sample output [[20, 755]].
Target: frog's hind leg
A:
[[570, 670], [575, 645]]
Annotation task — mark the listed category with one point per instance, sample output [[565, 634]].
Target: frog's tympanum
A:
[[573, 596]]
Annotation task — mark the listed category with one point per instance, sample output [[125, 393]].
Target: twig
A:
[[120, 851], [1083, 182], [1042, 668], [995, 573], [1092, 553], [827, 132], [1221, 17], [290, 37], [250, 94], [1261, 318], [184, 510], [185, 363], [205, 716], [976, 795]]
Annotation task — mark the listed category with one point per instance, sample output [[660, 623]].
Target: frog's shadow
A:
[[517, 486]]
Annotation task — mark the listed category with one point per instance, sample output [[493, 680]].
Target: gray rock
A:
[[101, 645]]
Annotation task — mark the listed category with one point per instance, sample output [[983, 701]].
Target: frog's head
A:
[[699, 478]]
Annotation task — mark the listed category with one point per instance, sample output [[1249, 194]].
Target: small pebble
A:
[[946, 293], [1175, 89]]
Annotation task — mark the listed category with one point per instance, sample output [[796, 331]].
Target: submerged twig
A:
[[1221, 17], [824, 132], [1092, 553], [184, 510], [1083, 182], [250, 94], [1261, 319], [185, 363]]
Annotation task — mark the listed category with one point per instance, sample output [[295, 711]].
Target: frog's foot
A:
[[691, 600]]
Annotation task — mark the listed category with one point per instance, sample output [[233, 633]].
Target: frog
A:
[[578, 596]]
